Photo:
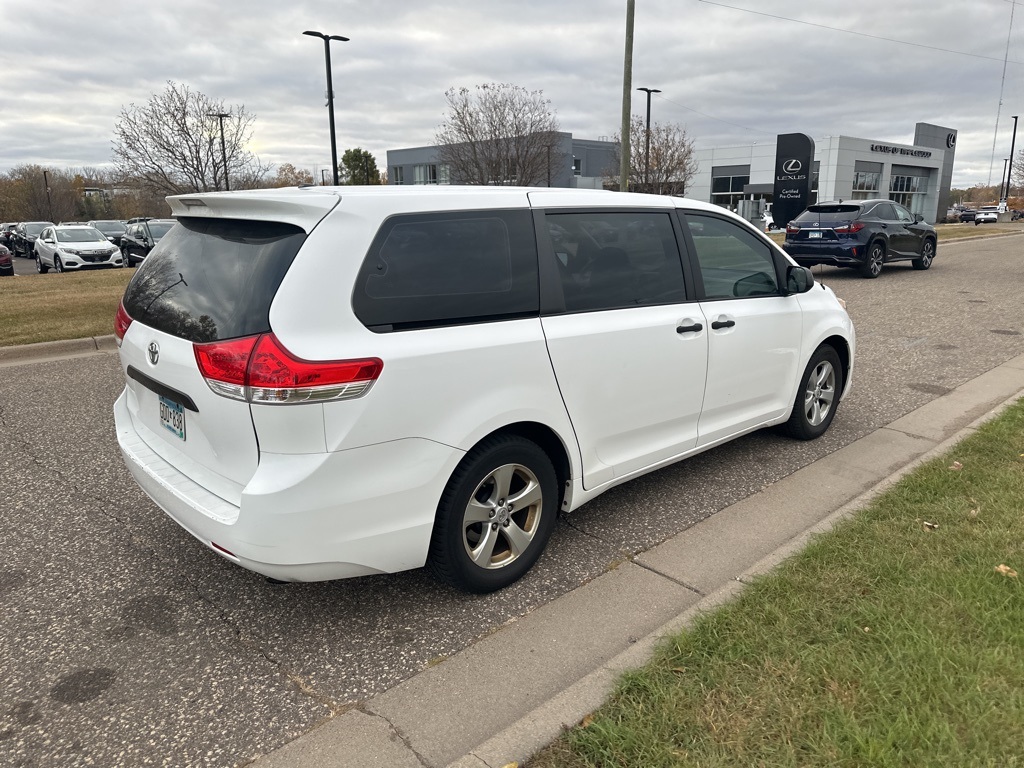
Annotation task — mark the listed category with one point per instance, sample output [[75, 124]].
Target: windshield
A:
[[159, 228], [80, 236], [35, 229], [826, 214], [213, 278], [109, 227]]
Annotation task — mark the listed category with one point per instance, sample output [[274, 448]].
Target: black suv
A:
[[140, 236], [861, 234], [23, 238]]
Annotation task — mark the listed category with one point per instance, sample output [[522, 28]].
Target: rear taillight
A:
[[258, 369], [792, 229], [121, 322], [849, 229]]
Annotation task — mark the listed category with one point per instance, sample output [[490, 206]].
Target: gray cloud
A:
[[71, 67]]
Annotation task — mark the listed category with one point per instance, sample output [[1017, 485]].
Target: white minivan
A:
[[332, 382]]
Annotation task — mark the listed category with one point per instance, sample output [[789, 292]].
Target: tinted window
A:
[[885, 211], [734, 262], [828, 214], [213, 279], [903, 214], [448, 268], [612, 260]]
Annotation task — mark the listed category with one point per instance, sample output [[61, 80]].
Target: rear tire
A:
[[818, 395], [495, 516], [873, 260]]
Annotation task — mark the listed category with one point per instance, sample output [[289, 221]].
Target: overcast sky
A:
[[728, 76]]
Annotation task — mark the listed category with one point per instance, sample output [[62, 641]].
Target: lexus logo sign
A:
[[792, 166], [951, 140], [154, 352]]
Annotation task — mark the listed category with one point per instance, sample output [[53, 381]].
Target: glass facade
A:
[[866, 184], [909, 191], [727, 191]]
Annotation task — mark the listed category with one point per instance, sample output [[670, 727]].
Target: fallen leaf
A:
[[586, 721], [510, 765], [956, 465], [679, 670], [973, 514], [930, 526], [1006, 571], [867, 629]]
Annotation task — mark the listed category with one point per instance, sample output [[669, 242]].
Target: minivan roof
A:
[[306, 206]]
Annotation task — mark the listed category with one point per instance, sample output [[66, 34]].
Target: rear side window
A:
[[211, 279], [448, 268]]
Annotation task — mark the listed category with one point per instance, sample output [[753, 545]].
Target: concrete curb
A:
[[55, 350], [512, 692]]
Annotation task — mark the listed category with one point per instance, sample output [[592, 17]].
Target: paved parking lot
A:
[[125, 642]]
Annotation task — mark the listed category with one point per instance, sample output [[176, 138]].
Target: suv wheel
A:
[[873, 260], [58, 265], [927, 255], [41, 268], [818, 396], [495, 515]]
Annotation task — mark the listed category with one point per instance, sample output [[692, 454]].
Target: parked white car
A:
[[72, 247], [987, 214], [325, 384]]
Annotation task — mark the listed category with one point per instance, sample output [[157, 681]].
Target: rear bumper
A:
[[837, 254], [308, 517]]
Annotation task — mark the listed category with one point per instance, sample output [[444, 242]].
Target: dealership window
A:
[[431, 173], [727, 184], [577, 166], [397, 174], [866, 184], [908, 191]]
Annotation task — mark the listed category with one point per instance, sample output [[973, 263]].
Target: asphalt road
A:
[[125, 642]]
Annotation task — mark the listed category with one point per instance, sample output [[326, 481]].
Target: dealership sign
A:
[[905, 151], [794, 166]]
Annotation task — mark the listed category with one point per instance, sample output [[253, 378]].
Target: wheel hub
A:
[[502, 515]]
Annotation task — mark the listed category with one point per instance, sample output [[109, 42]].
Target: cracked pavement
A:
[[125, 642]]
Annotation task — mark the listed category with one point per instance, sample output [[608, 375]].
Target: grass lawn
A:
[[894, 640], [71, 305]]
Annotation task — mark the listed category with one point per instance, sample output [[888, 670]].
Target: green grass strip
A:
[[892, 640]]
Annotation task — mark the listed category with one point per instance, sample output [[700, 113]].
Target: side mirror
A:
[[799, 279], [918, 218]]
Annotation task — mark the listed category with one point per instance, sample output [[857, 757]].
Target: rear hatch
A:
[[823, 223], [211, 279]]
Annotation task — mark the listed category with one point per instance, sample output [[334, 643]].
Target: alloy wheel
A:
[[503, 516], [819, 393]]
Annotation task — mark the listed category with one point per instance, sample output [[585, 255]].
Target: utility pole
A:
[[627, 92], [1013, 144], [49, 203]]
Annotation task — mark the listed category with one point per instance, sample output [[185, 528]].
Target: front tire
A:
[[818, 396], [58, 265], [41, 268], [927, 255], [495, 516], [873, 260]]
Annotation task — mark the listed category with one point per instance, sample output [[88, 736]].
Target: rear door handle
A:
[[722, 324], [689, 328]]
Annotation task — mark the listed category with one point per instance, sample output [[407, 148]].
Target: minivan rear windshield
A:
[[826, 214], [211, 279]]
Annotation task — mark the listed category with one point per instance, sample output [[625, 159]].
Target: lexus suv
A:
[[324, 384], [860, 234]]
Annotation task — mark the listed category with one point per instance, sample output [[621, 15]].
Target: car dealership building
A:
[[918, 175]]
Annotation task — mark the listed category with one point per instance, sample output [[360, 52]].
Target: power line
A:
[[712, 117], [861, 34]]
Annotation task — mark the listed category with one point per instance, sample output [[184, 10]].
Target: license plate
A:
[[172, 416], [814, 234]]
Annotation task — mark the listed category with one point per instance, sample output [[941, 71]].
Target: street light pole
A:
[[1002, 178], [647, 150], [223, 149], [330, 94], [1013, 143]]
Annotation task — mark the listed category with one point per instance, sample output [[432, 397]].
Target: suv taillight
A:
[[792, 229], [258, 369], [849, 229], [121, 322]]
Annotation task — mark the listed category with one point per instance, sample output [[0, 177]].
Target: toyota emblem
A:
[[154, 352], [792, 166]]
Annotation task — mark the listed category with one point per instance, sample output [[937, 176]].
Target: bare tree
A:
[[498, 134], [672, 163], [290, 176], [171, 144]]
